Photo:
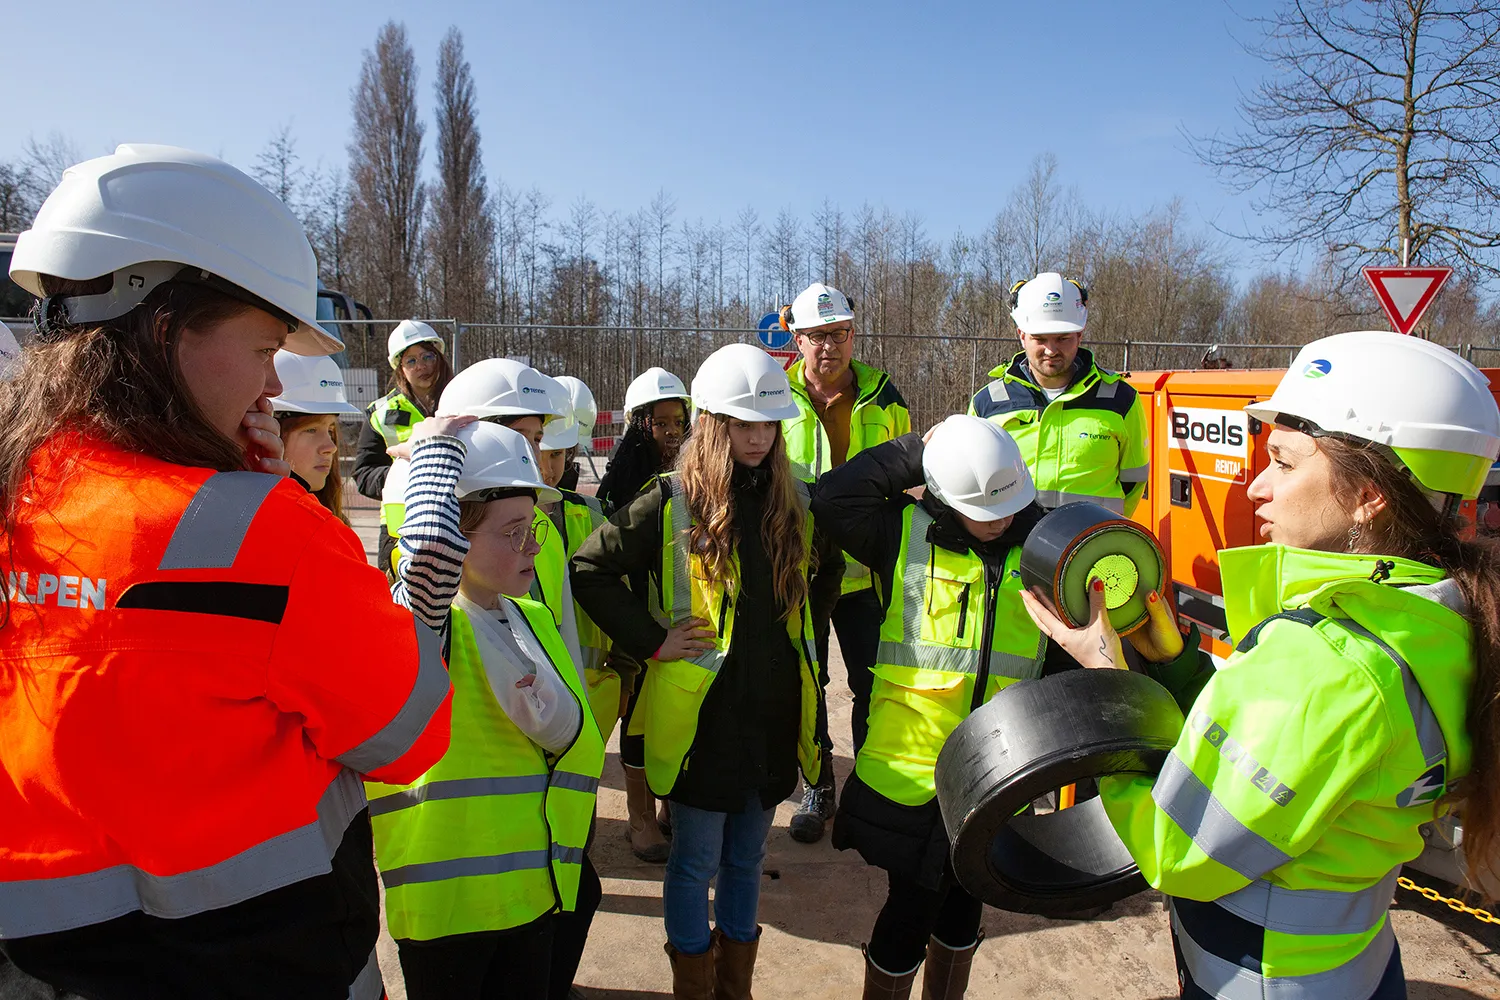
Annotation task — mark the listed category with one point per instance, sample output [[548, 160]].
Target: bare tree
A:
[[17, 204], [279, 168], [385, 164], [747, 232], [1038, 217], [461, 228], [1375, 137], [45, 161]]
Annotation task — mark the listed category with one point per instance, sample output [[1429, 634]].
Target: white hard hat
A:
[[652, 386], [148, 214], [498, 387], [1050, 303], [1433, 409], [559, 433], [585, 410], [974, 466], [498, 458], [745, 382], [309, 385], [819, 305], [10, 353], [407, 333]]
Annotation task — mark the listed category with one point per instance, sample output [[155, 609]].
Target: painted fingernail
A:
[[1098, 585], [1151, 597]]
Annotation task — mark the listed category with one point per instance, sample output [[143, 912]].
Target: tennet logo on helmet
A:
[[772, 392], [329, 383], [1054, 297], [1317, 369], [528, 389]]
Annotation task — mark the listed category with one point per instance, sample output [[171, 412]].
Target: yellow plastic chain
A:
[[1456, 905]]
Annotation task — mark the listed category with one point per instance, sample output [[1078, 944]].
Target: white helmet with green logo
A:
[[1433, 410], [975, 467], [497, 457], [500, 387], [745, 382]]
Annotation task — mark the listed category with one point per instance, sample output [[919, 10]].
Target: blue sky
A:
[[932, 108]]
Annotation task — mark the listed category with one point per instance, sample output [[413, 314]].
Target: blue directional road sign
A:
[[772, 336]]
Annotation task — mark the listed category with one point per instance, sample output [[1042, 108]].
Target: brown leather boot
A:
[[692, 975], [882, 985], [646, 841], [734, 966], [947, 975]]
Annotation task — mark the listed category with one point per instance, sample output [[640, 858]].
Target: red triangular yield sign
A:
[[1406, 292]]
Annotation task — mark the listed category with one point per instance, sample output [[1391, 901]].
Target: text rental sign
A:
[[1217, 440]]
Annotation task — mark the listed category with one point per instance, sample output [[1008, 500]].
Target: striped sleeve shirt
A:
[[432, 547]]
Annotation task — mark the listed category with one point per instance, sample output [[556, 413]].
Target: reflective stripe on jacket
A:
[[492, 837]]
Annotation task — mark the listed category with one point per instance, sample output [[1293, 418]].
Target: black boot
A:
[[818, 804]]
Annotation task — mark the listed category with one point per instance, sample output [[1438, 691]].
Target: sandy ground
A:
[[817, 905]]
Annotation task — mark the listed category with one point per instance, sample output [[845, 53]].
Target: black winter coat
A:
[[861, 505], [746, 738]]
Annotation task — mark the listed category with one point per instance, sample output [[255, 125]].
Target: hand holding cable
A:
[[1096, 644]]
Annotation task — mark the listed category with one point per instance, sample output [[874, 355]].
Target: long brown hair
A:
[[118, 381], [706, 469], [1412, 528], [331, 496], [445, 372]]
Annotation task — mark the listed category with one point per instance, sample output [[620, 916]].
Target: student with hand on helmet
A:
[[420, 371], [1081, 428], [307, 412], [1361, 699], [656, 409], [845, 407], [953, 633], [182, 752], [730, 683], [480, 855]]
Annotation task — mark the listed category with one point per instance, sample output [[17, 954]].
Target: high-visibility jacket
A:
[[947, 617], [179, 733], [879, 415], [1087, 444], [492, 837], [394, 416], [581, 515], [673, 691], [1281, 819]]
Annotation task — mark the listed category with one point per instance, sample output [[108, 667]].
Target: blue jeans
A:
[[704, 844]]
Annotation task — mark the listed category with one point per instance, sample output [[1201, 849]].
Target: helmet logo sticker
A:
[[528, 389], [330, 383], [771, 392], [825, 306], [1317, 369], [1054, 297]]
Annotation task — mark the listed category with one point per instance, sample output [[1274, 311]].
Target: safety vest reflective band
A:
[[492, 836], [932, 644], [190, 648], [581, 516], [1274, 914], [1089, 443], [672, 691], [879, 415]]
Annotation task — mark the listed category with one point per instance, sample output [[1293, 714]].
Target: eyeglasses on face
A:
[[522, 535], [425, 358], [839, 336]]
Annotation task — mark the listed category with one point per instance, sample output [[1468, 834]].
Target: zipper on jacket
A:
[[992, 576], [723, 612], [963, 610]]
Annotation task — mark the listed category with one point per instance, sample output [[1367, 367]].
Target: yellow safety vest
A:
[[673, 691], [393, 416], [492, 836], [931, 644], [582, 515]]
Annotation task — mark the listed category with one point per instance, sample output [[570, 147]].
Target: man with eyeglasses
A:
[[846, 406], [1080, 427]]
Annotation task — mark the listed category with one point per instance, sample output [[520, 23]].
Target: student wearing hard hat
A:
[[730, 683], [420, 371], [953, 633], [656, 414], [498, 390], [307, 412], [586, 413], [183, 744], [844, 407], [482, 855], [1081, 428], [1360, 702]]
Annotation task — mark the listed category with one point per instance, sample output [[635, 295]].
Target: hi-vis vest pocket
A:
[[952, 612], [912, 713]]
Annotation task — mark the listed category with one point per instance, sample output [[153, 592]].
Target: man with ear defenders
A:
[[845, 408], [1081, 428]]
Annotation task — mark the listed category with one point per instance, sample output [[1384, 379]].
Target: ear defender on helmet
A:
[[786, 318], [1083, 290], [1015, 293]]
